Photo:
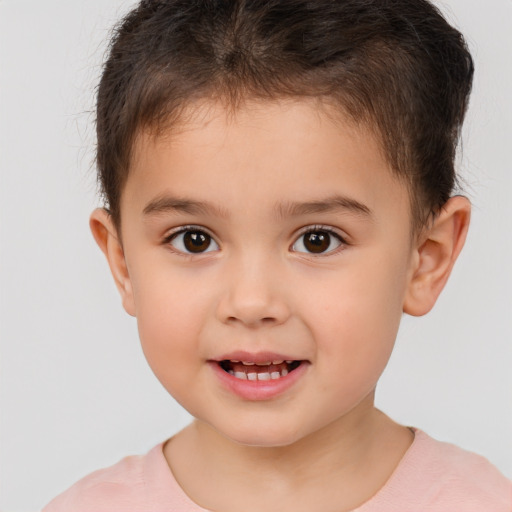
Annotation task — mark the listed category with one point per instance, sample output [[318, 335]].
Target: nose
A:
[[253, 296]]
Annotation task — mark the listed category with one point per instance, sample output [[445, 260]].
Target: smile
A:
[[268, 370], [258, 376]]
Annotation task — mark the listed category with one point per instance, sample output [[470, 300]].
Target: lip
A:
[[257, 390]]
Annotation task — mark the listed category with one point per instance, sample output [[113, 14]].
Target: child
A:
[[278, 178]]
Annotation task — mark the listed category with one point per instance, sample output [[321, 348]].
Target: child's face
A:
[[275, 235]]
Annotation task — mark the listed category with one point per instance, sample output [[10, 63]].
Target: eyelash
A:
[[190, 229], [322, 229], [310, 229]]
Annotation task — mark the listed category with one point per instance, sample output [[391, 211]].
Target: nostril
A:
[[254, 321]]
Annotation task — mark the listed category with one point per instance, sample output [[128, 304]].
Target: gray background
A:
[[76, 393]]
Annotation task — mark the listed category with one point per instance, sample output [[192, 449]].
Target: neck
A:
[[344, 463]]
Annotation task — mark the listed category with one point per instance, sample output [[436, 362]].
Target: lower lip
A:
[[259, 389]]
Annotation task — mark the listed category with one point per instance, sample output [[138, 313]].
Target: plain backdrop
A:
[[76, 393]]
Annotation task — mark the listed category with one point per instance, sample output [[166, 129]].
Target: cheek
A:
[[168, 302], [357, 316], [170, 318]]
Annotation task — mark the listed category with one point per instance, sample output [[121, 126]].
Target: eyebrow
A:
[[337, 203], [167, 204], [333, 204]]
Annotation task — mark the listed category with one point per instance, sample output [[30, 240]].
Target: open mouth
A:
[[271, 370]]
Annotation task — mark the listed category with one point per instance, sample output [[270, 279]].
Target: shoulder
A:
[[133, 483], [459, 466], [442, 476]]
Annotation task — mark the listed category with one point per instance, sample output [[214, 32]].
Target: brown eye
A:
[[193, 242], [317, 242]]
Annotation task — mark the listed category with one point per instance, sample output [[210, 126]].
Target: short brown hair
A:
[[396, 65]]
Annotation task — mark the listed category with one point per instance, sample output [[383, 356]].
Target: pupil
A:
[[196, 241], [317, 242]]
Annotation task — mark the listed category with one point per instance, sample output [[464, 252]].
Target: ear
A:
[[106, 237], [438, 248]]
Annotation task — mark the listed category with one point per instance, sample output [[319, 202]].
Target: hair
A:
[[395, 65]]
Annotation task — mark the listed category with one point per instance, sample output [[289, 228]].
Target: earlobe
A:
[[105, 234], [437, 251]]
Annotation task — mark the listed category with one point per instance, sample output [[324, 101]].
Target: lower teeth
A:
[[252, 375], [258, 376]]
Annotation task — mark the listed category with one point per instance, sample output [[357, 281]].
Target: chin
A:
[[263, 437]]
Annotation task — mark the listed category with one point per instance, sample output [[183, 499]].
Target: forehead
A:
[[266, 152]]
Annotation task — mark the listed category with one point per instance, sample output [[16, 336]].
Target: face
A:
[[268, 256]]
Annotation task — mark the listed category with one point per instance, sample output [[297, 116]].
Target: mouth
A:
[[264, 371]]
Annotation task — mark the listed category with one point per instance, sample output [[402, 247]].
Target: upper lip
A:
[[255, 357]]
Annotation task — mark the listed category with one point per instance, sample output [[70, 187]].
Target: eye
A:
[[318, 241], [192, 241]]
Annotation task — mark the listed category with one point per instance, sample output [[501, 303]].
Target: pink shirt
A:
[[432, 476]]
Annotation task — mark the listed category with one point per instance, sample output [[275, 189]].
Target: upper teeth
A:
[[265, 370], [266, 363], [259, 376]]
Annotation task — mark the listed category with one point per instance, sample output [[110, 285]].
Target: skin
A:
[[320, 444]]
